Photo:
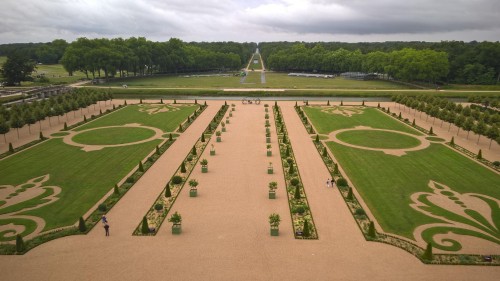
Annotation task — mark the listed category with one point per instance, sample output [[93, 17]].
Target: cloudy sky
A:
[[251, 20]]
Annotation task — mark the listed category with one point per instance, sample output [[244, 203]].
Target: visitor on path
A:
[[104, 219], [106, 228], [332, 182], [328, 182]]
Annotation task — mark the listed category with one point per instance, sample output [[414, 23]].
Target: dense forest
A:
[[446, 61], [432, 62]]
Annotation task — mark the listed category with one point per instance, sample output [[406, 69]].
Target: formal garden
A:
[[74, 169], [416, 187]]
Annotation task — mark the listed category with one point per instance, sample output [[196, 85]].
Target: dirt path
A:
[[226, 234]]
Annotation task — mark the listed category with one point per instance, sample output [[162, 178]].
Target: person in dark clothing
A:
[[333, 182], [106, 228]]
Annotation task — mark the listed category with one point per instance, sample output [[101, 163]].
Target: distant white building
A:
[[315, 75]]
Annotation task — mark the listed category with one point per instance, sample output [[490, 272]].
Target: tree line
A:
[[464, 117], [18, 115], [468, 63]]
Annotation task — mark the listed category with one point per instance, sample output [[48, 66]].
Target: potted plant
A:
[[266, 116], [176, 220], [193, 192], [269, 151], [274, 221], [212, 150], [272, 189], [268, 130], [268, 137], [233, 107], [204, 165], [218, 133], [267, 122], [227, 120], [230, 114], [223, 125], [270, 168]]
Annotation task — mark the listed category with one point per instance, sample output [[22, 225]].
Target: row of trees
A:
[[481, 123], [469, 63], [22, 114], [138, 56], [406, 64]]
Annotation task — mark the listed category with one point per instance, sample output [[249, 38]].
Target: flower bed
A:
[[299, 208]]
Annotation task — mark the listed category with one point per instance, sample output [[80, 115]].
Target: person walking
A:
[[106, 228], [328, 182], [332, 182], [104, 219]]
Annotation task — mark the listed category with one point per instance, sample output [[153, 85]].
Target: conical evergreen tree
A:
[[84, 118], [141, 168], [11, 148], [180, 128], [161, 101], [413, 123], [336, 169], [175, 101], [20, 247], [452, 142], [145, 226], [287, 152], [284, 139], [328, 103], [399, 116], [378, 105], [350, 196], [170, 138], [157, 150], [81, 225], [193, 151], [183, 167], [325, 153], [363, 103], [296, 195], [202, 137], [291, 170], [65, 126], [305, 230], [168, 193], [317, 138], [371, 230], [480, 155], [195, 101], [116, 190], [41, 136], [341, 102], [140, 101], [427, 255], [431, 132]]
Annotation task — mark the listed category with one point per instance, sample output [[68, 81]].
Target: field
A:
[[417, 194], [64, 181], [256, 66]]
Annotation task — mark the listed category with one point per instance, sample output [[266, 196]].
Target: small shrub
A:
[[11, 148], [180, 127], [413, 123], [81, 225], [328, 103], [202, 137], [359, 212], [341, 102], [325, 153], [176, 179], [102, 207], [130, 179], [285, 139], [480, 155], [349, 196], [300, 209], [141, 168], [168, 193], [317, 138], [287, 152], [431, 132], [342, 182], [452, 142], [157, 150], [145, 226], [84, 119], [41, 136], [399, 116], [371, 230], [150, 159], [291, 169], [183, 167], [297, 193], [496, 163], [189, 158], [158, 207], [20, 247], [294, 181], [116, 191], [336, 169], [378, 105]]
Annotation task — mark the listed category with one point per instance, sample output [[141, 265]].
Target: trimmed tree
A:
[[480, 155], [336, 169], [4, 128], [170, 138], [202, 137], [141, 168], [291, 170], [452, 142], [20, 247], [81, 225], [349, 196], [11, 148], [305, 230], [145, 226], [317, 138], [193, 151], [168, 193], [427, 255], [297, 192], [183, 167], [371, 230], [325, 153], [431, 132]]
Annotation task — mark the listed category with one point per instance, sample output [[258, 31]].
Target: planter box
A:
[[230, 114], [219, 139], [268, 130], [269, 170], [223, 129], [233, 109], [272, 194], [267, 110], [193, 192], [267, 122], [268, 140], [227, 121], [176, 229], [204, 169], [269, 153], [275, 232], [212, 152]]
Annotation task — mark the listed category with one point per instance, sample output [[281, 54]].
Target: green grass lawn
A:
[[166, 121], [84, 177], [180, 81], [253, 78], [386, 182], [258, 65], [370, 117], [113, 136], [378, 139]]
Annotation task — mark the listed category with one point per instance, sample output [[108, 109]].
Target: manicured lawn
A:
[[113, 135], [84, 177], [386, 182], [253, 78], [166, 121], [180, 81], [370, 117], [378, 139], [257, 65]]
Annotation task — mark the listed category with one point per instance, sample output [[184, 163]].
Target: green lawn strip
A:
[[253, 78], [378, 139], [435, 139], [474, 156], [156, 218], [114, 135], [22, 147], [293, 203], [166, 121], [94, 117], [363, 222], [326, 123]]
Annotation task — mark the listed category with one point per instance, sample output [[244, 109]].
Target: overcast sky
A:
[[251, 20]]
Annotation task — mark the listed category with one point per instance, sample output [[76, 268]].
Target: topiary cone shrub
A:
[[328, 103], [170, 138], [183, 167], [324, 152], [399, 116], [305, 231], [11, 148], [378, 105], [202, 137], [116, 191], [427, 255], [65, 126], [413, 123], [371, 230], [141, 168], [431, 132], [291, 170], [297, 192], [480, 155], [180, 128], [168, 193], [336, 169], [145, 226], [41, 136], [452, 142], [157, 150], [125, 103], [193, 151], [341, 102], [317, 138], [84, 118], [81, 225], [20, 247], [349, 196]]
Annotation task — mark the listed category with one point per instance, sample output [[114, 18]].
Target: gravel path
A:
[[225, 229]]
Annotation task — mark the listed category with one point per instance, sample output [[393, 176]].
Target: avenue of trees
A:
[[457, 62], [478, 120]]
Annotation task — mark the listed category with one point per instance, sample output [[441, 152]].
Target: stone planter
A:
[[270, 170], [212, 152], [193, 192], [176, 229], [219, 139], [272, 194], [204, 169], [268, 140], [268, 131], [275, 231], [227, 121], [269, 153], [223, 129], [230, 114]]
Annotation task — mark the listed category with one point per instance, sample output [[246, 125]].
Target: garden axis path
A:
[[225, 230]]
